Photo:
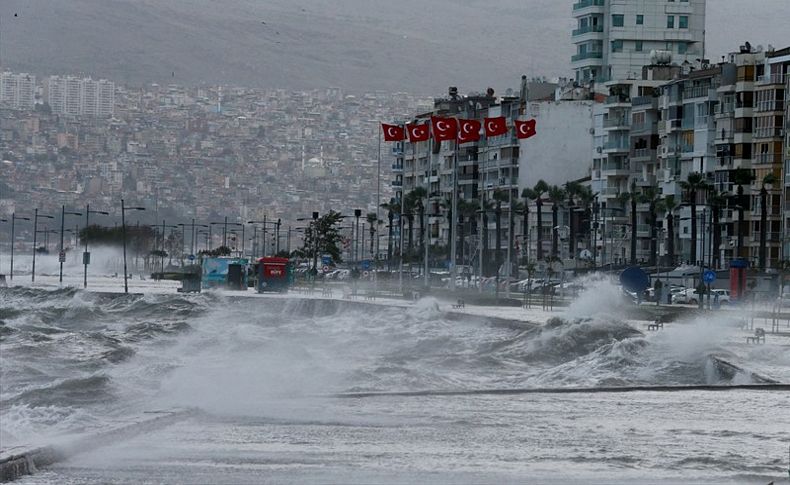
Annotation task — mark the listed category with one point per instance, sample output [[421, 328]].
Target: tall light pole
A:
[[192, 227], [14, 218], [357, 215], [6, 220], [86, 256], [264, 223], [36, 217], [225, 225], [62, 253], [123, 233]]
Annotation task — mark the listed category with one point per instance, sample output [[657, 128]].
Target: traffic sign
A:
[[62, 256], [634, 279], [326, 269], [366, 264], [86, 257], [366, 273], [191, 257], [709, 276]]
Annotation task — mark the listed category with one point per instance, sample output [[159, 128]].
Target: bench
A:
[[326, 291], [459, 304], [655, 326], [759, 335]]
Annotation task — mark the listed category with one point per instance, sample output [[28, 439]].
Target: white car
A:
[[688, 296], [724, 295]]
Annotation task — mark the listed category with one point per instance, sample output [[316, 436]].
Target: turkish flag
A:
[[469, 131], [418, 132], [495, 126], [393, 132], [526, 129], [444, 128]]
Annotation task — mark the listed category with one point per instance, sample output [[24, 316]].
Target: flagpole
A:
[[402, 203], [378, 218], [425, 236], [454, 215]]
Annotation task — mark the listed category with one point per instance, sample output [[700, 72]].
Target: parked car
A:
[[688, 296], [724, 296]]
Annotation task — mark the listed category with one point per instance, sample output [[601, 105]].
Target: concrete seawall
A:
[[21, 460]]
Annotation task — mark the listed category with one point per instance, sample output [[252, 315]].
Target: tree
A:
[[418, 196], [323, 237], [633, 197], [572, 190], [651, 197], [527, 194], [694, 184], [557, 197], [499, 196], [392, 207], [487, 206], [717, 201], [668, 205], [585, 199], [373, 221], [769, 179], [466, 210], [741, 177], [538, 191]]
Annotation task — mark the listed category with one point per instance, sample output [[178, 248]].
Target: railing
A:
[[643, 229], [397, 183], [468, 176], [618, 98], [643, 153], [588, 3], [587, 55], [775, 78], [725, 161], [643, 100], [611, 123], [613, 145], [696, 92], [685, 148], [770, 105], [767, 158], [724, 109], [587, 29], [397, 167], [610, 191], [614, 167], [771, 132]]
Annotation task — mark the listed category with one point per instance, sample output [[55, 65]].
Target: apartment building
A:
[[73, 96], [17, 90], [615, 38]]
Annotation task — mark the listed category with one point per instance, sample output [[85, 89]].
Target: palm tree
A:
[[669, 205], [392, 207], [623, 198], [741, 177], [487, 207], [373, 220], [466, 209], [419, 194], [527, 194], [651, 197], [769, 179], [408, 212], [557, 197], [717, 202], [692, 185], [538, 191], [572, 190], [447, 205], [585, 198], [499, 196]]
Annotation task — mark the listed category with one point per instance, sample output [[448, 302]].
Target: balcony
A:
[[581, 4], [775, 78], [771, 132], [643, 230], [615, 170], [770, 237], [617, 123], [643, 154], [686, 148], [771, 105], [767, 158], [587, 55], [587, 29], [397, 183], [397, 167], [616, 147], [618, 99]]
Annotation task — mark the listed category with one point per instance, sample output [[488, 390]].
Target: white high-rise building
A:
[[615, 38], [17, 91], [73, 96]]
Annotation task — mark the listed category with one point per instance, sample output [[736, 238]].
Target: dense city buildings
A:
[[17, 90]]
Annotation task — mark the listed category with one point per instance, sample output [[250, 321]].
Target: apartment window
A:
[[638, 46], [617, 46], [640, 20], [683, 22], [683, 48], [670, 21], [618, 20]]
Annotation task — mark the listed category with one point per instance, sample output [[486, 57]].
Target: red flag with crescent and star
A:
[[495, 126], [444, 128], [393, 132], [469, 131], [526, 129], [418, 132]]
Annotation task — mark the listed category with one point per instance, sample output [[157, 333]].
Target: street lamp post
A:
[[264, 223], [14, 218], [86, 256], [62, 253], [766, 186], [36, 217], [6, 220], [357, 215], [123, 235]]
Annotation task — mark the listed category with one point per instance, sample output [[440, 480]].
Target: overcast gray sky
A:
[[406, 45]]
